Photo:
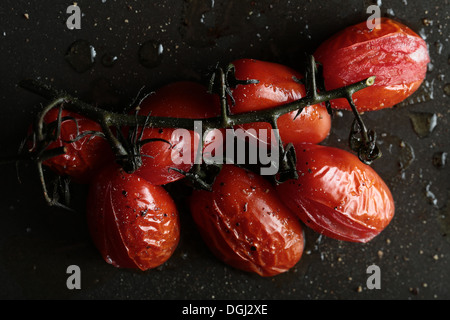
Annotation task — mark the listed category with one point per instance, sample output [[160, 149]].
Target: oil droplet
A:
[[150, 54], [81, 55], [423, 123], [439, 159], [444, 219], [406, 155], [108, 60], [447, 89]]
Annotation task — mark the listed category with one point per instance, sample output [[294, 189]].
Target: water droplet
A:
[[150, 54], [423, 123], [439, 159], [108, 60], [431, 196], [81, 55]]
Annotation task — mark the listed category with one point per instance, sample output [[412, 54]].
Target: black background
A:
[[38, 243]]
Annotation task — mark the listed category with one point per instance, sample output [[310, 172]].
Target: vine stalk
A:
[[221, 83]]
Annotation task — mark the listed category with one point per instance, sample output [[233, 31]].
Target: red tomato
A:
[[133, 223], [182, 100], [84, 156], [246, 225], [277, 87], [396, 55], [338, 195]]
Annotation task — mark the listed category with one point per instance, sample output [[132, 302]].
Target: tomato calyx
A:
[[223, 80]]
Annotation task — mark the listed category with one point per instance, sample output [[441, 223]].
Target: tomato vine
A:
[[361, 140]]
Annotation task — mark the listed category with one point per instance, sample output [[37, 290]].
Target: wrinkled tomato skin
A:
[[183, 99], [245, 224], [277, 87], [83, 157], [133, 223], [337, 195], [395, 54]]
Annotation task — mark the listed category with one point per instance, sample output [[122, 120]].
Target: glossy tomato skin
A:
[[277, 86], [133, 223], [395, 54], [84, 156], [183, 99], [338, 195], [245, 224]]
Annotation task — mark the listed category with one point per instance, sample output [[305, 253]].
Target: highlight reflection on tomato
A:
[[395, 54]]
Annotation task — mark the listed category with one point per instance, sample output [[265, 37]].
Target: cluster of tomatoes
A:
[[248, 222]]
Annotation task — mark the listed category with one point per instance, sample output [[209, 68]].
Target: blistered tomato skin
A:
[[245, 224], [278, 85], [337, 195], [395, 54], [84, 156], [183, 99], [133, 223]]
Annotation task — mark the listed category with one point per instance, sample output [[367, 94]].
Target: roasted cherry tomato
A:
[[246, 225], [395, 54], [182, 100], [133, 223], [85, 151], [337, 195], [278, 85]]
